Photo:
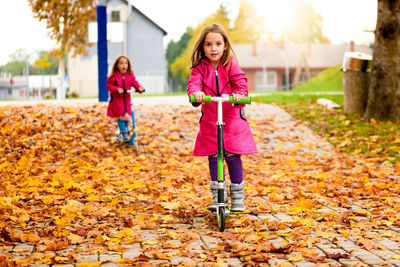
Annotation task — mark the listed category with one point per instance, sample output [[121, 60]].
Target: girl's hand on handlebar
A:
[[141, 90], [199, 96], [120, 91], [237, 97]]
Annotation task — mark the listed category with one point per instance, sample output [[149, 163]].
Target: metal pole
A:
[[285, 47], [102, 55], [264, 68]]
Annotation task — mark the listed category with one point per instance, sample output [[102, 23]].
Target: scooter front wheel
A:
[[221, 216], [135, 143]]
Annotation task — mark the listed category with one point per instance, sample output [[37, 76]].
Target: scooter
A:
[[222, 210]]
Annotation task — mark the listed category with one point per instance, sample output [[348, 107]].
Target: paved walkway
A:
[[275, 132]]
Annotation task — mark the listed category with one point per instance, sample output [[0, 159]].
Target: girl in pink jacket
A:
[[215, 72], [120, 80]]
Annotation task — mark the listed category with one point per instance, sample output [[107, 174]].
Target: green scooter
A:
[[222, 210]]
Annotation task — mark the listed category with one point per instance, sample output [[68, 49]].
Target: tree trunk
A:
[[384, 89], [61, 74]]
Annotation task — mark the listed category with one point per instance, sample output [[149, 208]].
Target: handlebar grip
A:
[[244, 100], [207, 99]]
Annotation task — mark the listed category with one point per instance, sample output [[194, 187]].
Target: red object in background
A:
[[281, 44], [12, 81]]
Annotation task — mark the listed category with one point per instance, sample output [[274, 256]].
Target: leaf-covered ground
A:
[[69, 193], [347, 132]]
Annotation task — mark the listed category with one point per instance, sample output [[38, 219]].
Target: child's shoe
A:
[[214, 189], [237, 197], [125, 135], [119, 137]]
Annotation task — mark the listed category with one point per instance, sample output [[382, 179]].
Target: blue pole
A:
[[102, 50]]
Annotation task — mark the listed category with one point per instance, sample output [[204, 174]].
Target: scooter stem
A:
[[223, 98]]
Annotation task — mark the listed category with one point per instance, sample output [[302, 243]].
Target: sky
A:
[[343, 20]]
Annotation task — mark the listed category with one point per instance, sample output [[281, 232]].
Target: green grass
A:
[[327, 80], [288, 97]]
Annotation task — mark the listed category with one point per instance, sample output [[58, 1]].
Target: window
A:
[[115, 16], [265, 81]]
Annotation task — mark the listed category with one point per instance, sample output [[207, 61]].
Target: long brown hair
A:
[[115, 65], [198, 51]]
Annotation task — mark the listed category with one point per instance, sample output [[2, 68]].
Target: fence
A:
[[31, 87]]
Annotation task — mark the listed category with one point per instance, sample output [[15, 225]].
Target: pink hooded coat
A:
[[237, 135], [119, 104]]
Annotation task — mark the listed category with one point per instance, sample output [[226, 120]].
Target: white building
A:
[[130, 33]]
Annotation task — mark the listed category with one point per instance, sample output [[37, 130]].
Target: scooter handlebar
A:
[[130, 91], [208, 99]]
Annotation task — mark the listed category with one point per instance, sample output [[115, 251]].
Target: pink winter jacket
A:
[[237, 135], [119, 104]]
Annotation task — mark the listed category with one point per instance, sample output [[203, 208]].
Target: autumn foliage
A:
[[67, 21], [67, 188]]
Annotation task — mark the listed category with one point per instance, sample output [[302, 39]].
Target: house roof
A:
[[140, 12], [272, 56]]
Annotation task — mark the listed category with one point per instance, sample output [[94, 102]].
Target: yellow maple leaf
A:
[[295, 258], [305, 203], [92, 198], [308, 253], [172, 234], [283, 234]]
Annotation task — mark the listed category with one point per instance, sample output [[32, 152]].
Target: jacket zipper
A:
[[123, 87], [216, 78]]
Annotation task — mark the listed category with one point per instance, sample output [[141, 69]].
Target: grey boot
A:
[[237, 197], [214, 190]]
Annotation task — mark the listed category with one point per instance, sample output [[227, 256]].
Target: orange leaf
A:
[[75, 239]]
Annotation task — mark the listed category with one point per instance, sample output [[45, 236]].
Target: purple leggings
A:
[[235, 168]]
